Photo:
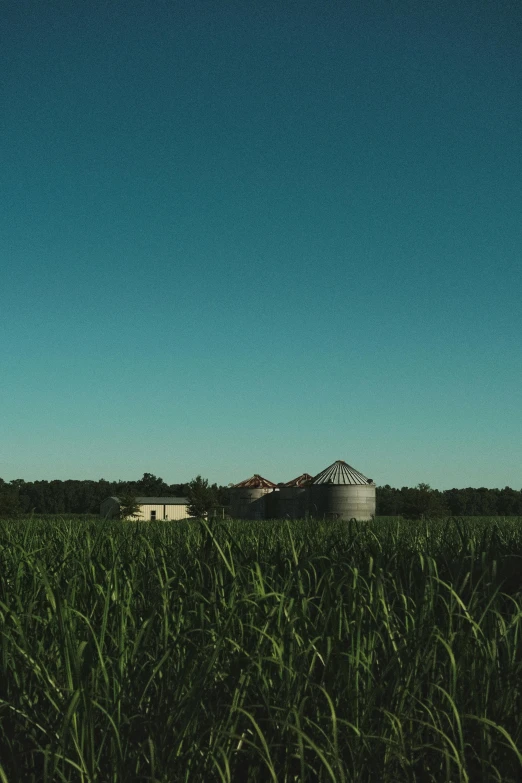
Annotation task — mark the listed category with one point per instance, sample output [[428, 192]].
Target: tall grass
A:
[[261, 651]]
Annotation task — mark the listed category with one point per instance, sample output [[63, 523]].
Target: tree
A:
[[9, 499], [151, 486], [129, 507], [509, 502], [201, 497], [389, 501], [423, 501]]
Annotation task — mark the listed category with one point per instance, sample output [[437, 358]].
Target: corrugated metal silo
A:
[[293, 497], [247, 499], [341, 492]]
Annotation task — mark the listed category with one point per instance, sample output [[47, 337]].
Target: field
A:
[[261, 651]]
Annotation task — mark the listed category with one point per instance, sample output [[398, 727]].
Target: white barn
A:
[[150, 508]]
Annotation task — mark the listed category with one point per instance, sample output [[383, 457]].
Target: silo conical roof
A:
[[256, 481], [340, 472], [300, 481]]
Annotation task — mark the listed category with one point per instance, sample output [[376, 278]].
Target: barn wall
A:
[[171, 512], [109, 508]]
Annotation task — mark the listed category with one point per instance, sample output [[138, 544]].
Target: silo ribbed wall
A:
[[272, 505], [342, 501], [247, 503], [293, 502]]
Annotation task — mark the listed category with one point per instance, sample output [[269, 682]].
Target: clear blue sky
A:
[[260, 236]]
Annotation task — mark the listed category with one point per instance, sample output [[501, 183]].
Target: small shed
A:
[[150, 508]]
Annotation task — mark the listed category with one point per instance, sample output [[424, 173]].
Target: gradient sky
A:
[[259, 236]]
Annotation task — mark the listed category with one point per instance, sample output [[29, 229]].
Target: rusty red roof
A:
[[256, 481], [300, 481]]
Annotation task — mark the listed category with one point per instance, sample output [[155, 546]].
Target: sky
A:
[[257, 237]]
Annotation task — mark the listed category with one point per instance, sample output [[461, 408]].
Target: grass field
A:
[[261, 651]]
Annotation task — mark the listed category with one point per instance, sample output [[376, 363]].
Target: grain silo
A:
[[247, 499], [293, 497], [341, 492]]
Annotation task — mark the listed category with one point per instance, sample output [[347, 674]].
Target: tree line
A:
[[422, 500], [84, 497]]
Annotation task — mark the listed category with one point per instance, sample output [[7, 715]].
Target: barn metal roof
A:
[[300, 481], [256, 481], [158, 501], [340, 472]]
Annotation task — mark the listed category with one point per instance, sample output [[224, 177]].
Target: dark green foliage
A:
[[261, 651], [129, 507], [80, 497], [9, 498], [151, 486], [202, 498], [423, 500]]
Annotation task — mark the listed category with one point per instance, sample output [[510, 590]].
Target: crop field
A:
[[261, 651]]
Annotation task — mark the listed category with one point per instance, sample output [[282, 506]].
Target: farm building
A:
[[341, 492], [292, 498], [337, 492], [150, 508]]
